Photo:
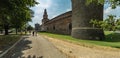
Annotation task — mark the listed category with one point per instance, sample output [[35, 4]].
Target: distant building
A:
[[60, 24], [37, 27]]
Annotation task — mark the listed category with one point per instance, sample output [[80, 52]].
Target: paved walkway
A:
[[34, 47]]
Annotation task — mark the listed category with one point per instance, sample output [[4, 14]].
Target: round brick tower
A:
[[81, 17]]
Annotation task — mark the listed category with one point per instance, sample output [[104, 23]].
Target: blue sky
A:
[[57, 7]]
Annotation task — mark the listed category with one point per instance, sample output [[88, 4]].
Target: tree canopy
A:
[[15, 13], [113, 3], [111, 23]]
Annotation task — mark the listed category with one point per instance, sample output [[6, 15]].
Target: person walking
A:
[[33, 33]]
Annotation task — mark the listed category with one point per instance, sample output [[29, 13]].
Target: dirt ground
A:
[[77, 51]]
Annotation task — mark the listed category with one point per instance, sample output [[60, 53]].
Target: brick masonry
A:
[[60, 24]]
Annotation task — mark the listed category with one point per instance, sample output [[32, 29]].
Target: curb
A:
[[5, 52]]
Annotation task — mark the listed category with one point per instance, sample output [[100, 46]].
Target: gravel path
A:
[[35, 47], [77, 51]]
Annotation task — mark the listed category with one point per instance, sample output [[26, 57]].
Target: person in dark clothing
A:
[[33, 33]]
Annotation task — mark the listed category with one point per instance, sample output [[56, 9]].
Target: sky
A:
[[57, 7]]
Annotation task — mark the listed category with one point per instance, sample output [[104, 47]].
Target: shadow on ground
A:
[[16, 52], [29, 56], [6, 41]]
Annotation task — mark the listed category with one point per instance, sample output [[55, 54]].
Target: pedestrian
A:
[[33, 33]]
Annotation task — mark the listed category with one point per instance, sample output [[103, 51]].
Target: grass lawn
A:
[[8, 40], [111, 40]]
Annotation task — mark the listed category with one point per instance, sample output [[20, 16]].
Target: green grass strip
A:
[[112, 39]]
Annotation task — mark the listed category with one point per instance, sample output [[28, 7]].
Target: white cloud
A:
[[49, 4], [109, 11], [69, 9], [53, 16], [38, 10], [45, 3]]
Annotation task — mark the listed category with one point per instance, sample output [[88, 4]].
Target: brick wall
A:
[[60, 24]]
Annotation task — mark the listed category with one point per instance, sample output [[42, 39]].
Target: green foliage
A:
[[98, 1], [16, 13], [115, 36], [113, 3], [30, 28], [111, 23], [118, 28]]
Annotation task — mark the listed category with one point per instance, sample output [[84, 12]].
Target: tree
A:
[[21, 18], [113, 3], [111, 23], [29, 28], [4, 8], [15, 10]]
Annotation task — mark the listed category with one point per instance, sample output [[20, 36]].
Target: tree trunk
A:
[[16, 31], [6, 29], [25, 31], [81, 17], [1, 31], [21, 31]]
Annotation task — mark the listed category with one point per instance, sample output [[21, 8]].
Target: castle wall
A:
[[60, 24]]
